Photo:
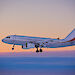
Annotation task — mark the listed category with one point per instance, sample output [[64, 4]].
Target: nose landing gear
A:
[[13, 47]]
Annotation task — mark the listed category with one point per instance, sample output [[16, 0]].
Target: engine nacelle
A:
[[28, 46]]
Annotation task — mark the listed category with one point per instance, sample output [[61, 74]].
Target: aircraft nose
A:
[[3, 40]]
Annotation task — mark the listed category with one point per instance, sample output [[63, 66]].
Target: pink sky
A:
[[40, 18], [44, 54]]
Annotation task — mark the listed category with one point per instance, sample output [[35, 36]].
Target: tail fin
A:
[[70, 36]]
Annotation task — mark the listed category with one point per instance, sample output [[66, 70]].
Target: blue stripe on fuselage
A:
[[31, 37]]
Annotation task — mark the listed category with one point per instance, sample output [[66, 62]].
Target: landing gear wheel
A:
[[40, 50], [12, 48]]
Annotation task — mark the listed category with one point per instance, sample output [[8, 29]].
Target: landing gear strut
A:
[[37, 50], [37, 46], [13, 47]]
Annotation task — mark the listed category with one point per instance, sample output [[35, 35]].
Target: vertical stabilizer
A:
[[70, 36]]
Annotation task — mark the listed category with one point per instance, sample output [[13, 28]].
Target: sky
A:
[[40, 18]]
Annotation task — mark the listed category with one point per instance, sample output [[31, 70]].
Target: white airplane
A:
[[28, 42]]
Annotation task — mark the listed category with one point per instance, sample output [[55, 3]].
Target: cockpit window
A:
[[7, 37]]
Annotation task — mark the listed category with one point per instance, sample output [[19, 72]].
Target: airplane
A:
[[28, 42]]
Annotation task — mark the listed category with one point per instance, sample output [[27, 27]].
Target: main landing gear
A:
[[39, 50], [37, 46], [13, 47]]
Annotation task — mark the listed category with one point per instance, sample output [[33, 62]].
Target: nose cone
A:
[[3, 40]]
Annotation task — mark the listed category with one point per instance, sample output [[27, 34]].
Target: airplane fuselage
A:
[[41, 42]]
